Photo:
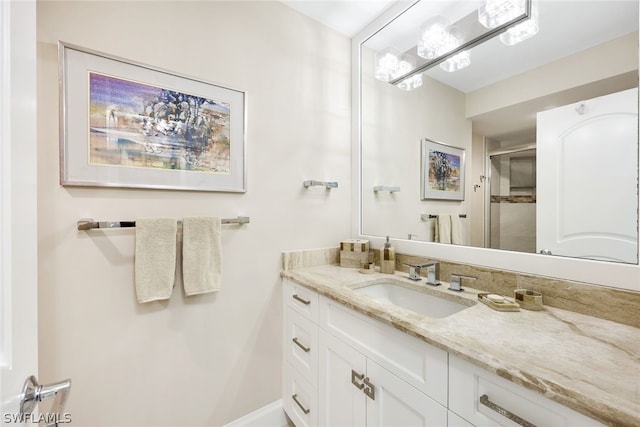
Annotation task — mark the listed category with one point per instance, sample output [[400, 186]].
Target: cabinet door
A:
[[397, 403], [340, 402]]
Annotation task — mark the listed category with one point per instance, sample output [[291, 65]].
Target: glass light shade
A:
[[433, 37], [405, 65], [457, 62], [387, 62], [522, 31], [411, 83], [494, 13]]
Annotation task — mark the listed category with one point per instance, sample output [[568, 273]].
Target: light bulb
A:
[[494, 13], [433, 37], [386, 65], [457, 62], [524, 30], [406, 64]]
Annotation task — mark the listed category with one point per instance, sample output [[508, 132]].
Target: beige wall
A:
[[209, 359], [613, 58], [393, 124]]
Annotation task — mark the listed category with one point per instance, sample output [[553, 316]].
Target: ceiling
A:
[[347, 17]]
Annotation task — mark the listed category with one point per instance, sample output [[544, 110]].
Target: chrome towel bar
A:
[[89, 224], [327, 184], [378, 188], [427, 217]]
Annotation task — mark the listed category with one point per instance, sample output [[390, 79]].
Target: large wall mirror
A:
[[540, 136]]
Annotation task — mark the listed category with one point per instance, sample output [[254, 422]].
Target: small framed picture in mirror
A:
[[442, 171]]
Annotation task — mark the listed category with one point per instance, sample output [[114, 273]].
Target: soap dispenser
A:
[[387, 258]]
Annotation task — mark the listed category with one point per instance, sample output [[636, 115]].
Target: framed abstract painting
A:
[[125, 124], [442, 171]]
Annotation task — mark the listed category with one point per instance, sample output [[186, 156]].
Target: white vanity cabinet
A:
[[485, 399], [356, 391], [342, 368]]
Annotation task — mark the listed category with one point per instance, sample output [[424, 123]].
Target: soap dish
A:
[[498, 302], [529, 300]]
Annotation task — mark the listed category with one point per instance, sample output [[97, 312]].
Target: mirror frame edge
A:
[[622, 276]]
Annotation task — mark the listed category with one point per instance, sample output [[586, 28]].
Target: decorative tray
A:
[[498, 302]]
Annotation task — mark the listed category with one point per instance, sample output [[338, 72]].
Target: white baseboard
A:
[[271, 415]]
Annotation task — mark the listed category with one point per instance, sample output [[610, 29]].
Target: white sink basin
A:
[[421, 303]]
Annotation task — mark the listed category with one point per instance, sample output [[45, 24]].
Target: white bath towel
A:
[[155, 258], [201, 255], [456, 230], [443, 228]]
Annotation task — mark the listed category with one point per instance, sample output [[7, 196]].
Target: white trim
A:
[[5, 185], [271, 415]]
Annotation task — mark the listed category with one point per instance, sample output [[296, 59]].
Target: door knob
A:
[[32, 393]]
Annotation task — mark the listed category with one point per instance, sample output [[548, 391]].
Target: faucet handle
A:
[[456, 282]]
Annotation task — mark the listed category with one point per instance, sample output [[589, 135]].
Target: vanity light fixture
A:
[[455, 37], [442, 43], [391, 64], [387, 61], [524, 30], [434, 38], [437, 38], [406, 64], [457, 62], [494, 13]]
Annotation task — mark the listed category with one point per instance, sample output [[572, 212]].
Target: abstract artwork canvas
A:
[[131, 125], [442, 171]]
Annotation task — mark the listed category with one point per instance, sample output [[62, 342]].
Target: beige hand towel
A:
[[443, 226], [456, 230], [155, 258], [201, 255]]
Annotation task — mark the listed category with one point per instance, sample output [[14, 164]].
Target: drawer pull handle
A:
[[295, 399], [484, 399], [304, 301], [356, 378], [299, 344]]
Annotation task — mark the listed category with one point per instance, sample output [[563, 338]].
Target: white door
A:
[[397, 403], [341, 374], [587, 179], [18, 220]]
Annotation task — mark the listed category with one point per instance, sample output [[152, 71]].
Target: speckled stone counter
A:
[[585, 363]]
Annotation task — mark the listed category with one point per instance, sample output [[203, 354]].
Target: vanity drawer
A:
[[303, 300], [477, 396], [416, 362], [301, 345], [300, 400]]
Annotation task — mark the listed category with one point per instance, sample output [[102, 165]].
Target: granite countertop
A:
[[585, 363]]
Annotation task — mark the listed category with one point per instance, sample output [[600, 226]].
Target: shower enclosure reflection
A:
[[512, 205]]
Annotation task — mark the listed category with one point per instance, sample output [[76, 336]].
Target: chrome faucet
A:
[[456, 282], [432, 272]]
